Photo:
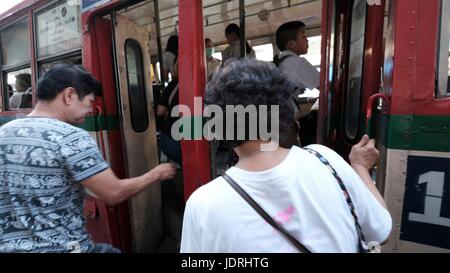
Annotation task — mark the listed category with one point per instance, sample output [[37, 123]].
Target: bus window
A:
[[69, 60], [354, 84], [314, 51], [19, 89], [136, 86], [444, 51], [58, 36], [58, 29], [15, 43], [218, 56], [264, 52]]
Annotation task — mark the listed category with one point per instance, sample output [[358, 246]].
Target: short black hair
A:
[[250, 82], [233, 28], [62, 76], [172, 44], [287, 32]]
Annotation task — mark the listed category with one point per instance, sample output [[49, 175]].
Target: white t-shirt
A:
[[234, 51], [299, 71], [300, 192]]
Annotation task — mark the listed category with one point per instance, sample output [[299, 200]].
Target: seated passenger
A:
[[293, 186], [22, 97]]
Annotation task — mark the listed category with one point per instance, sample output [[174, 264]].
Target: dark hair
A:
[[233, 28], [63, 76], [287, 32], [172, 44], [207, 39], [250, 82]]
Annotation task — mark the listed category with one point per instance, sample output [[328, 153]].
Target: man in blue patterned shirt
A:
[[46, 164]]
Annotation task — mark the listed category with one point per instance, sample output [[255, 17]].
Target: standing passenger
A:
[[232, 33], [212, 64], [293, 186], [46, 164], [292, 42], [168, 100], [169, 56]]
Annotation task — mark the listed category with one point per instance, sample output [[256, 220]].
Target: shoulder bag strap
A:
[[264, 214], [362, 245]]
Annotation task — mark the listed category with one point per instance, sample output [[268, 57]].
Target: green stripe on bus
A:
[[101, 123], [422, 133], [91, 124]]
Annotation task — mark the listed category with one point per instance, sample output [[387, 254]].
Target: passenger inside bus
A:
[[232, 33], [212, 64], [169, 57], [168, 100], [292, 42], [22, 97]]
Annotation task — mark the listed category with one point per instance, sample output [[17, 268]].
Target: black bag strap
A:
[[362, 246], [264, 214], [277, 60]]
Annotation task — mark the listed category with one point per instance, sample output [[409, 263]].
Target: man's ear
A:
[[290, 44], [69, 94]]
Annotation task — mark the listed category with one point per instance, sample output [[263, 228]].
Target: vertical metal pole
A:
[[192, 81], [242, 28], [158, 41]]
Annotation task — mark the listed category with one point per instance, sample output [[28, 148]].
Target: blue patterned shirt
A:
[[42, 162]]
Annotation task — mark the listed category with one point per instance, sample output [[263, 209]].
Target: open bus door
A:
[[351, 67], [138, 128]]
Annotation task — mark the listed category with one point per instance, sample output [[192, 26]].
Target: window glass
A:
[[444, 50], [16, 44], [47, 66], [58, 29], [314, 51], [355, 68], [18, 89], [136, 86], [264, 52], [217, 55]]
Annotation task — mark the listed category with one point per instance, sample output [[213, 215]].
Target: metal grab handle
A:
[[369, 109]]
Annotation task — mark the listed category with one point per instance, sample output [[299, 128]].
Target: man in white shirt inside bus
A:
[[292, 42]]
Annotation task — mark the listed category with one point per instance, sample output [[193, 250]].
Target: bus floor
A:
[[172, 195]]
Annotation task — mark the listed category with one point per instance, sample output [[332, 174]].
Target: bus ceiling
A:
[[262, 18]]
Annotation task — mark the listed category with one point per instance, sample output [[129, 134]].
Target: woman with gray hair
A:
[[276, 199], [22, 97]]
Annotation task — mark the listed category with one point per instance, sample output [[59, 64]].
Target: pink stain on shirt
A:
[[285, 215]]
